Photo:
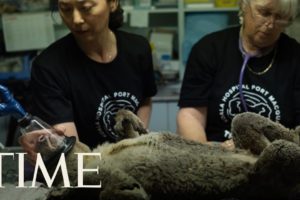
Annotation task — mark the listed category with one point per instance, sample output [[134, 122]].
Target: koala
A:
[[162, 165]]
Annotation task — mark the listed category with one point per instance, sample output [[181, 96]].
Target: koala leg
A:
[[115, 185], [277, 168], [254, 132], [60, 193], [121, 186], [128, 125]]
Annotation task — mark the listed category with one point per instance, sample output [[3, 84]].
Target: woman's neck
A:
[[249, 48], [102, 48]]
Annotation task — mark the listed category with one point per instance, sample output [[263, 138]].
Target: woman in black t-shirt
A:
[[82, 80], [255, 68]]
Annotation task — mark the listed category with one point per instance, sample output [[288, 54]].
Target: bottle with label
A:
[[37, 136], [43, 138]]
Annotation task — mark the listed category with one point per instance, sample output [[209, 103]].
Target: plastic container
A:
[[43, 138]]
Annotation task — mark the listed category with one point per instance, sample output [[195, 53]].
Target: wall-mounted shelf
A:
[[210, 10], [177, 18], [152, 10]]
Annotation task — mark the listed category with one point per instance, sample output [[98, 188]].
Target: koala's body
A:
[[165, 166]]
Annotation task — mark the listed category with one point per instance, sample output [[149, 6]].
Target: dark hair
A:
[[115, 18]]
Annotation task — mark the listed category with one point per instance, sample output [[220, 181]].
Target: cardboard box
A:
[[226, 3]]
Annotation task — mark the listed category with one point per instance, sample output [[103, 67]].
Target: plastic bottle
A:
[[43, 138], [37, 135]]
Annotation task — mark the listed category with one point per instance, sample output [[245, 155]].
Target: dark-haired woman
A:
[[83, 79]]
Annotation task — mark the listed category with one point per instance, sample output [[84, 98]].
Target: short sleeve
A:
[[296, 95], [150, 88], [199, 75], [50, 99]]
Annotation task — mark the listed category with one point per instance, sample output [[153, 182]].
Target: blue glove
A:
[[8, 105]]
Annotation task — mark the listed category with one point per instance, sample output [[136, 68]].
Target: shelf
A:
[[235, 9], [153, 10], [161, 18], [164, 10]]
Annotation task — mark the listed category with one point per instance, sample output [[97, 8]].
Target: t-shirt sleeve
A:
[[150, 88], [199, 75], [50, 100], [296, 95]]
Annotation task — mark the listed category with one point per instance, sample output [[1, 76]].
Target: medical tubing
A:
[[15, 107], [9, 105], [246, 59], [20, 112]]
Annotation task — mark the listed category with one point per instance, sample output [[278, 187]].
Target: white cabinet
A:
[[172, 112], [163, 117], [181, 22], [159, 117]]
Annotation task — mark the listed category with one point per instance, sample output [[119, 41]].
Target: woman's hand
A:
[[228, 144], [31, 142]]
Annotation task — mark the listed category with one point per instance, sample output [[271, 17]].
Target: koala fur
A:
[[165, 166]]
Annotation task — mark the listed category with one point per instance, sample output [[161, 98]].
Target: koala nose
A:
[[42, 138]]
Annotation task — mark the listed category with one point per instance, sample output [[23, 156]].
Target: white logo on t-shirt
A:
[[257, 99], [107, 109]]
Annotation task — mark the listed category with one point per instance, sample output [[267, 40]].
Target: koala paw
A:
[[128, 125]]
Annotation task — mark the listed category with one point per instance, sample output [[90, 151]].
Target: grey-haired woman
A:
[[254, 67]]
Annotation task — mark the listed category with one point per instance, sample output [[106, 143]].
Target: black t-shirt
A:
[[68, 86], [212, 77]]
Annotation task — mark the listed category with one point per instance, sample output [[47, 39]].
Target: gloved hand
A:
[[8, 105]]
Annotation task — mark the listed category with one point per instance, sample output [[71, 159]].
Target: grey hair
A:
[[286, 8]]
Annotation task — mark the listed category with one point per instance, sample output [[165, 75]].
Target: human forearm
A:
[[144, 112], [191, 129], [196, 133], [191, 124]]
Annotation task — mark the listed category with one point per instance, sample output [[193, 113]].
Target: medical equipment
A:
[[34, 130], [241, 77], [247, 57]]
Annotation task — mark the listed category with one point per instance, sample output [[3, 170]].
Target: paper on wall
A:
[[139, 18], [27, 31]]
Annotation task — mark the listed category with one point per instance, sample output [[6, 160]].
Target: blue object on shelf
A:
[[23, 74], [9, 105], [198, 25]]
